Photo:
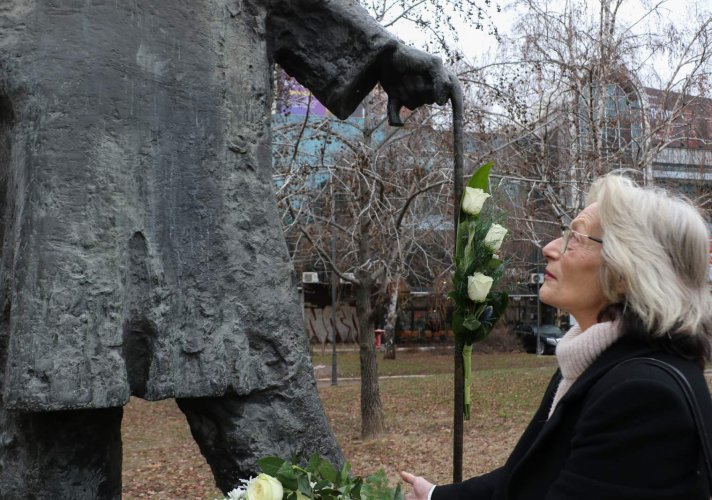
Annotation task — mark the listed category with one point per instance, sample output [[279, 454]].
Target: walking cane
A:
[[458, 154], [459, 382]]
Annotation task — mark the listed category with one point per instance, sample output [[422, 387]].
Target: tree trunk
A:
[[391, 316], [372, 420]]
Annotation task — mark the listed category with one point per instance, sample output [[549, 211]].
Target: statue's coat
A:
[[141, 247]]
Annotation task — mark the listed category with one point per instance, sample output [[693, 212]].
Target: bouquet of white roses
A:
[[318, 479], [477, 270]]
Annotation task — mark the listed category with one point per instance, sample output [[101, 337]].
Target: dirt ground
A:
[[162, 461]]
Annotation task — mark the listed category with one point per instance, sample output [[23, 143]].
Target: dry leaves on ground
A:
[[161, 460]]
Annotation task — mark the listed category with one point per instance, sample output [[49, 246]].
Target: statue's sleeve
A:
[[332, 47]]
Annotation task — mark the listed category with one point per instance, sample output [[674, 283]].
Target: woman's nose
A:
[[552, 249]]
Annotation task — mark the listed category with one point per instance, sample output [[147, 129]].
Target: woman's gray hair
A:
[[656, 252]]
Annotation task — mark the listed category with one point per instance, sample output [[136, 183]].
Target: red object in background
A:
[[379, 333]]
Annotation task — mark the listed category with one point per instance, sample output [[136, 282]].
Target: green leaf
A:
[[329, 493], [304, 485], [344, 475], [480, 179], [328, 472], [314, 461], [461, 241], [356, 488], [321, 484], [493, 265], [287, 477], [270, 465], [471, 323], [498, 301], [469, 254]]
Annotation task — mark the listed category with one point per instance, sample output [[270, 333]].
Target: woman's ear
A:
[[614, 284]]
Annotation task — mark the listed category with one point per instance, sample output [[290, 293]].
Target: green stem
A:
[[467, 372]]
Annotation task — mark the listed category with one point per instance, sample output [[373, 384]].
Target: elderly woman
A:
[[632, 270]]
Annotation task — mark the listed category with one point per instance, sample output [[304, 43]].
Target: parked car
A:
[[549, 337]]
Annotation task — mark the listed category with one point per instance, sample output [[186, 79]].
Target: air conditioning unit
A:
[[347, 277], [535, 278], [310, 277]]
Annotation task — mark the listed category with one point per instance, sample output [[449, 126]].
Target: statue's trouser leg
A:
[[233, 432], [61, 454]]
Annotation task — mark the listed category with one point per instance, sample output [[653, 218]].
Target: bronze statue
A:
[[141, 249]]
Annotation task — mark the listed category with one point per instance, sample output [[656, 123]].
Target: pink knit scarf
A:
[[577, 350]]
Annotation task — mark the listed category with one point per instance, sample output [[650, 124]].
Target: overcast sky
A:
[[474, 43]]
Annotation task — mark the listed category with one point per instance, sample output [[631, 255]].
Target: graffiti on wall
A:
[[318, 324]]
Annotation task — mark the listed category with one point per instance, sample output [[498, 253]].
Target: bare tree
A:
[[580, 90], [383, 196]]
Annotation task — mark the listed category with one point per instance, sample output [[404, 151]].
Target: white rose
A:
[[478, 286], [494, 237], [264, 487], [473, 200]]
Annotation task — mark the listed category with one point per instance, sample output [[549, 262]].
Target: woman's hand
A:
[[421, 487]]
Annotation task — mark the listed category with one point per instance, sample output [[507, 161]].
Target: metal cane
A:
[[456, 99]]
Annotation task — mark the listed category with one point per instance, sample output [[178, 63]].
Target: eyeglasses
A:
[[578, 237]]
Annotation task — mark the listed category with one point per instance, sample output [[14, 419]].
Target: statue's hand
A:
[[412, 78]]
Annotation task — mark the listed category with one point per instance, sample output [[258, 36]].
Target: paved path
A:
[[327, 380]]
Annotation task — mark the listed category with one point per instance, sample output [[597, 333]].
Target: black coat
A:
[[623, 433]]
